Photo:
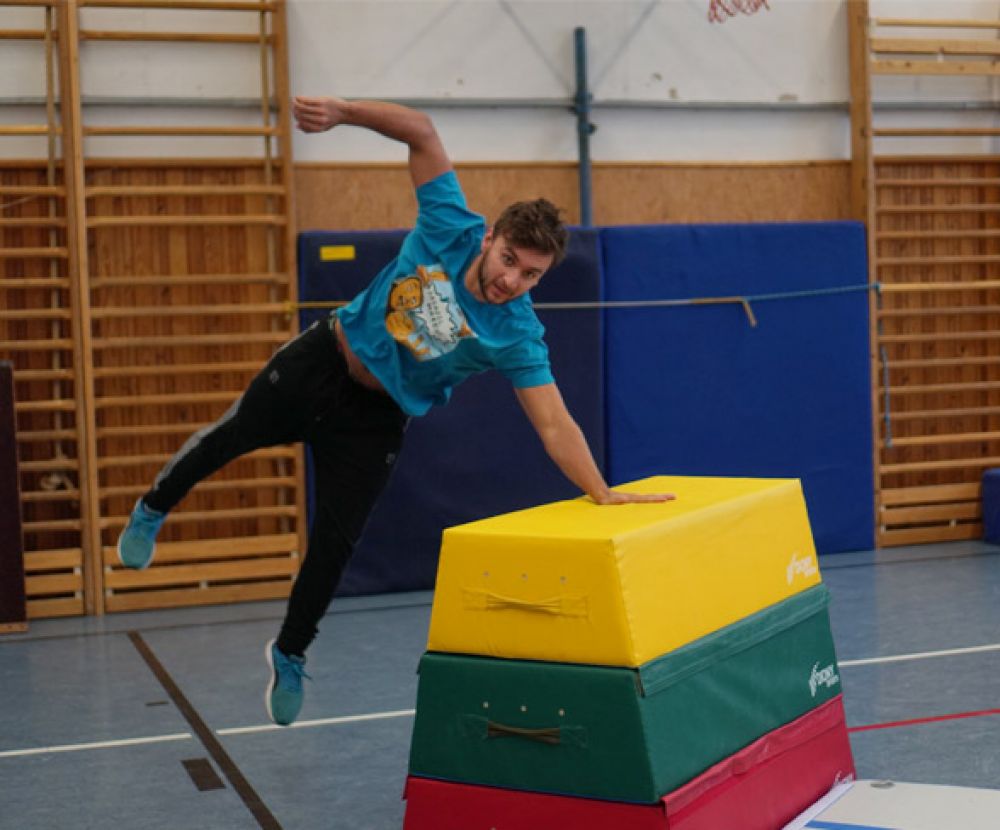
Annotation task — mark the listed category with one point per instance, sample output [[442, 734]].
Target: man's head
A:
[[527, 240]]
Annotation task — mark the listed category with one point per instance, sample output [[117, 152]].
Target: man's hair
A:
[[535, 225]]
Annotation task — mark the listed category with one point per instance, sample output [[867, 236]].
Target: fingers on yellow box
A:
[[576, 582]]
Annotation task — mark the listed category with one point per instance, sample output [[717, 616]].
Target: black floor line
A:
[[265, 818]]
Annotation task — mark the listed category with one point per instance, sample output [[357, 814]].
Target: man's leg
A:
[[354, 449], [274, 409]]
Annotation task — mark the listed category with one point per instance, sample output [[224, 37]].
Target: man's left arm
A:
[[564, 442]]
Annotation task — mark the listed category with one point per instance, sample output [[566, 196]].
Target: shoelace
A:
[[296, 670]]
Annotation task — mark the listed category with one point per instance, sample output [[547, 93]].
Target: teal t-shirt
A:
[[417, 328]]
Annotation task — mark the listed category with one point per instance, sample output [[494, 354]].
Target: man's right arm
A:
[[428, 158]]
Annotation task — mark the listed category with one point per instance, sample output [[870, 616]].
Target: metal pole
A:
[[583, 126]]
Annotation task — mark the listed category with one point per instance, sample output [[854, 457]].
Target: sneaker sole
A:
[[270, 684]]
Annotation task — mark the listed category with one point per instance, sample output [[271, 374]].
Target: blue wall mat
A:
[[477, 456], [698, 391]]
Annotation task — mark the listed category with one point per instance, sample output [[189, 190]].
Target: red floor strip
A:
[[917, 721]]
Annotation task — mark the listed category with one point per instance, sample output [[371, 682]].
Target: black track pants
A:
[[304, 393]]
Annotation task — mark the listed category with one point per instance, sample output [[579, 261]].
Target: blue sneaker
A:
[[138, 540], [283, 697]]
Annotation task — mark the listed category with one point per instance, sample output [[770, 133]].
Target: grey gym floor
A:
[[99, 714]]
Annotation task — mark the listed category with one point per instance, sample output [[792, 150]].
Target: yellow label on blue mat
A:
[[336, 253], [575, 582]]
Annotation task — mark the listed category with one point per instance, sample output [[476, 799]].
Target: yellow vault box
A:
[[574, 582]]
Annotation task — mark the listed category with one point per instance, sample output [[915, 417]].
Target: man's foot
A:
[[283, 697], [137, 542]]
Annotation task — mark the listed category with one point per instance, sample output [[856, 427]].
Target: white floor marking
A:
[[304, 724], [45, 750], [922, 655]]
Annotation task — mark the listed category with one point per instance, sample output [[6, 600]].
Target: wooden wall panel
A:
[[937, 257], [37, 335], [358, 197], [187, 305]]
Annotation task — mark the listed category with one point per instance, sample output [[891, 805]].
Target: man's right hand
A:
[[316, 115]]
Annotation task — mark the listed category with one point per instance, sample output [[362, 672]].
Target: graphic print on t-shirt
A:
[[423, 313]]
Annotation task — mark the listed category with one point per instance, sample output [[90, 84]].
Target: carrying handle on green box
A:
[[547, 735], [564, 606]]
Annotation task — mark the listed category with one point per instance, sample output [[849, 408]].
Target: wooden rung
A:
[[165, 130], [56, 344], [162, 457], [216, 548], [139, 220], [35, 314], [41, 4], [916, 287], [970, 259], [181, 598], [36, 436], [176, 399], [47, 283], [942, 182], [977, 207], [191, 279], [51, 560], [950, 464], [929, 534], [51, 525], [187, 190], [914, 67], [935, 23], [195, 573], [179, 340], [23, 34], [938, 336], [166, 311], [28, 129], [46, 374], [944, 388], [927, 514], [42, 584], [942, 311], [187, 428], [203, 5], [49, 495], [31, 190], [232, 367], [930, 494], [938, 414], [48, 464], [33, 253], [228, 484], [934, 46], [180, 516], [918, 236], [45, 406], [174, 37], [938, 362], [33, 222], [934, 440]]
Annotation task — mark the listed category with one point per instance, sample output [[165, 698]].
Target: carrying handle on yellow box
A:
[[564, 606], [548, 735]]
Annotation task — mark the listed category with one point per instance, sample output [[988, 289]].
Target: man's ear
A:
[[487, 239]]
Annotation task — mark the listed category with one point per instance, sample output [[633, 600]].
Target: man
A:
[[452, 304]]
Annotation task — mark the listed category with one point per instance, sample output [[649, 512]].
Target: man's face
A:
[[506, 272]]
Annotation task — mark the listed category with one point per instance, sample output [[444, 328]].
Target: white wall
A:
[[667, 83]]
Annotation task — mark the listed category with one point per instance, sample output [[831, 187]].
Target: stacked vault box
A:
[[641, 666]]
